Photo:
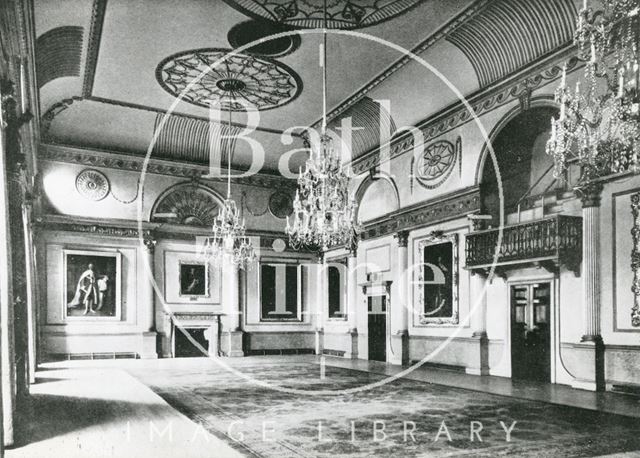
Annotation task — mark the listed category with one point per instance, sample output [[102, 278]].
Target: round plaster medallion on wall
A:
[[261, 82], [435, 164], [280, 204], [92, 184], [279, 245]]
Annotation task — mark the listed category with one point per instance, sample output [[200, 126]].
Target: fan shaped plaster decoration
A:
[[187, 204], [201, 78], [92, 184], [341, 14], [435, 164]]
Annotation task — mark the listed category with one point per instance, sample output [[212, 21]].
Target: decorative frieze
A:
[[118, 161], [425, 214]]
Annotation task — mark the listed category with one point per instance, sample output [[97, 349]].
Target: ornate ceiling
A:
[[110, 70], [340, 14]]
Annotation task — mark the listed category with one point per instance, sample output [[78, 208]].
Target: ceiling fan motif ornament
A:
[[309, 14], [261, 82]]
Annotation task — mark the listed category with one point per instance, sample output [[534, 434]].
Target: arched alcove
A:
[[190, 204], [376, 197], [519, 145]]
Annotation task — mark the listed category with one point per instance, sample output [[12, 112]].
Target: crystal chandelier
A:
[[228, 241], [599, 126], [323, 213]]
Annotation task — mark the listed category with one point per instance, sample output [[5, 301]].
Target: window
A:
[[280, 292], [336, 281]]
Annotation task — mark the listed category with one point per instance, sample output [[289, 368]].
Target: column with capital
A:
[[591, 374], [320, 303], [399, 307], [232, 335], [149, 350], [478, 321], [352, 298]]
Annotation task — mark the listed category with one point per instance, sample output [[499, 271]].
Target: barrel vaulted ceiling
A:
[[109, 70]]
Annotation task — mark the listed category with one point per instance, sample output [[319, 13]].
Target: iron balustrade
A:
[[556, 238]]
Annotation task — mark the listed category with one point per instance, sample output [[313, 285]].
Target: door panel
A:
[[530, 333], [377, 328]]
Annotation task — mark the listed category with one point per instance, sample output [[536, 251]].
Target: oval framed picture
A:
[[280, 204]]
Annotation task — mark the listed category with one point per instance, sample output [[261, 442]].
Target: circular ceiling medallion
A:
[[279, 245], [435, 164], [250, 31], [260, 82], [309, 14], [92, 184], [280, 204]]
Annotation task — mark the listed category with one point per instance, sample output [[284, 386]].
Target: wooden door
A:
[[377, 329], [530, 332]]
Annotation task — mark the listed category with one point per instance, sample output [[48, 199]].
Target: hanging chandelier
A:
[[599, 123], [229, 241], [323, 214]]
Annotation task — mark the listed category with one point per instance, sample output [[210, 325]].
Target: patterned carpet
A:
[[235, 409]]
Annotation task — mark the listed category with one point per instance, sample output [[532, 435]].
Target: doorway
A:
[[530, 332], [377, 327], [184, 348]]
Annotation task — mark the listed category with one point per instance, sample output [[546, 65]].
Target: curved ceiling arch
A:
[[502, 38]]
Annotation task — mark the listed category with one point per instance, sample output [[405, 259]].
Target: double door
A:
[[530, 332]]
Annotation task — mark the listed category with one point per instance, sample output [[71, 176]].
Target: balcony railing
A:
[[554, 240]]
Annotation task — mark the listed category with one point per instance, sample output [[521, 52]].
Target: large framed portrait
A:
[[437, 282], [194, 279], [92, 285]]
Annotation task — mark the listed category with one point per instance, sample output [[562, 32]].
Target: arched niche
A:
[[519, 142], [189, 204], [376, 197]]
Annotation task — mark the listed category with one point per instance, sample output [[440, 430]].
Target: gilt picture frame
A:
[[92, 285]]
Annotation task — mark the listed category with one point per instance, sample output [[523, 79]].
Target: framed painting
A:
[[437, 282], [92, 285], [194, 279]]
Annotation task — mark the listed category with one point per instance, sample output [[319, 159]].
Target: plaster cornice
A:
[[118, 161]]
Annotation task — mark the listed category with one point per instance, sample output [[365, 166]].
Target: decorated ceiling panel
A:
[[339, 14], [132, 59], [58, 53], [508, 34], [214, 77]]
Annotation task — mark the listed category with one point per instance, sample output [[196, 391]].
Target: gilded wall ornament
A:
[[92, 184], [200, 77]]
